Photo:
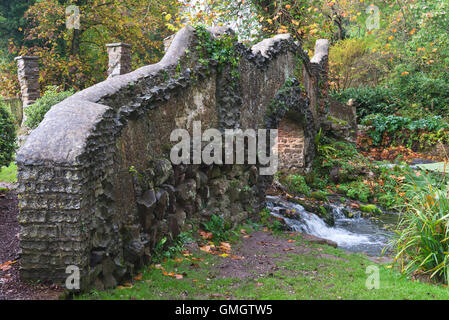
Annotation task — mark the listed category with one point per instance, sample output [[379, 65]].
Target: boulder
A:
[[163, 171]]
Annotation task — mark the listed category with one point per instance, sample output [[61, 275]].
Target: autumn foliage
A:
[[72, 58]]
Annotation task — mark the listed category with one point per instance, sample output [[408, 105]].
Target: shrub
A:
[[420, 92], [7, 136], [296, 183], [351, 63], [411, 95], [356, 190], [370, 100], [422, 242], [395, 125], [35, 113], [319, 195], [220, 229]]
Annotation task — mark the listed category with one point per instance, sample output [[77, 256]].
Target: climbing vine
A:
[[221, 50]]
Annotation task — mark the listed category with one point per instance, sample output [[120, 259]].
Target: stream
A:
[[356, 234]]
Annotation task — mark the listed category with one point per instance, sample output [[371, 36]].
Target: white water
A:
[[353, 234]]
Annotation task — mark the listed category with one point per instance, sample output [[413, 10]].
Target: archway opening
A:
[[291, 143]]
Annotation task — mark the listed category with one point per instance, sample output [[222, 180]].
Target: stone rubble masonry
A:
[[291, 145], [96, 187], [119, 58], [28, 74], [315, 79]]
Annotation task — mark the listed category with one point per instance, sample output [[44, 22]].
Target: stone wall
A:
[[28, 74], [96, 188], [340, 121], [291, 145]]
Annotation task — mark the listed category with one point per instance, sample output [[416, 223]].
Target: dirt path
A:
[[11, 286]]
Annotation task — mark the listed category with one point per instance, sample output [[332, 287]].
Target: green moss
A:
[[370, 208], [295, 183], [319, 195], [337, 121]]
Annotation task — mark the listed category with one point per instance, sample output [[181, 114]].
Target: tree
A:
[[76, 59], [12, 22]]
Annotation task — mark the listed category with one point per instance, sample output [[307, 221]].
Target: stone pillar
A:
[[315, 79], [168, 41], [119, 58], [28, 72]]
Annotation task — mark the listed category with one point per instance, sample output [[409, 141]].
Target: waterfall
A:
[[355, 234]]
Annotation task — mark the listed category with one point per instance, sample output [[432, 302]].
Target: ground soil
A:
[[11, 286]]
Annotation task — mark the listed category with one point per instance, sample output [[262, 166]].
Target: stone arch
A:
[[289, 112]]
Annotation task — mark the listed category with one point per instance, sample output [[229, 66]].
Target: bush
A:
[[35, 113], [351, 63], [220, 229], [422, 242], [421, 93], [356, 190], [410, 94], [370, 100], [396, 125], [296, 183], [7, 136]]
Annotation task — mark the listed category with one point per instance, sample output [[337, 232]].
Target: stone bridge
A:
[[96, 187]]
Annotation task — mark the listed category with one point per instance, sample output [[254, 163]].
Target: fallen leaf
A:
[[7, 265], [138, 277], [178, 276], [186, 253], [206, 235], [225, 246], [205, 248], [197, 259]]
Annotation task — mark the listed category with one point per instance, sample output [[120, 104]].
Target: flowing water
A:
[[355, 234]]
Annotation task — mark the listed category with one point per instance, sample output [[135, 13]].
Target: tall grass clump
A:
[[422, 237]]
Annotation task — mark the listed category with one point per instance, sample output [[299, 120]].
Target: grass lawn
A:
[[322, 273], [9, 174]]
